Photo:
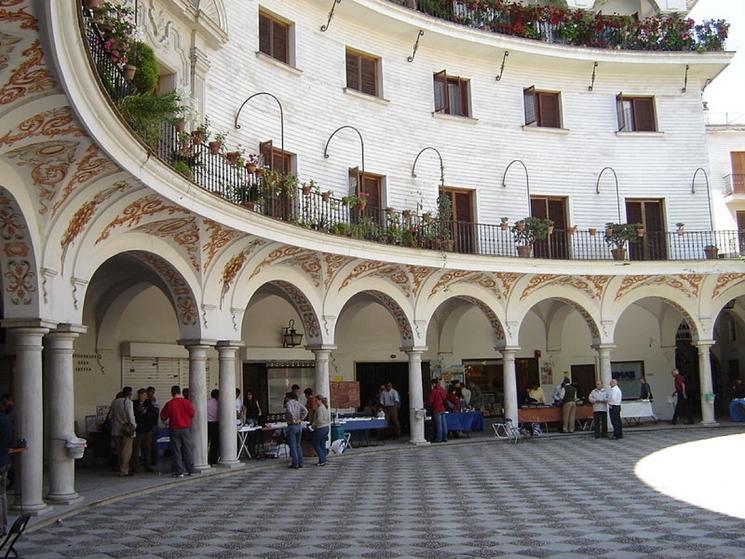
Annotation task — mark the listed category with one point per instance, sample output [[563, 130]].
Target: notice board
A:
[[345, 394]]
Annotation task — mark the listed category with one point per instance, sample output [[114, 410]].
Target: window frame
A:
[[464, 89], [360, 55], [533, 110], [277, 20], [267, 150], [621, 112]]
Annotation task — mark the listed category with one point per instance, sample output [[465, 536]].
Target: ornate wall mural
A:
[[233, 266], [306, 260], [29, 79], [592, 286], [688, 284], [49, 124], [500, 284], [92, 164], [724, 281], [218, 238], [17, 260], [399, 316], [182, 231], [332, 263], [147, 206]]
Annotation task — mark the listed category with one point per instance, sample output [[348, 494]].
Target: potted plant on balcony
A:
[[326, 195], [593, 231], [252, 161], [680, 228], [504, 223], [182, 168], [217, 143], [201, 133], [711, 252], [445, 222], [246, 194], [617, 235], [529, 230]]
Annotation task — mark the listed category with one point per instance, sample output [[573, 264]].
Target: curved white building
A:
[[126, 272]]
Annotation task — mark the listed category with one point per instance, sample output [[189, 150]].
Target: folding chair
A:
[[14, 533], [507, 431]]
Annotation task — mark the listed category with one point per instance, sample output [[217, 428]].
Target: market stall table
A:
[[465, 421], [243, 433], [552, 414], [737, 409], [636, 410], [362, 425]]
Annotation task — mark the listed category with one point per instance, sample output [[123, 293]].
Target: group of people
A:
[[606, 402], [316, 412], [457, 397]]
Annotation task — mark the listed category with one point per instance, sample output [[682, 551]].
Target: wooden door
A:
[[526, 373], [653, 245], [370, 186], [463, 230], [584, 376], [555, 209], [738, 172]]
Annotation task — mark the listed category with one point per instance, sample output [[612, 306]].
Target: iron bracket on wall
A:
[[416, 46], [592, 80], [685, 80], [331, 15], [501, 68]]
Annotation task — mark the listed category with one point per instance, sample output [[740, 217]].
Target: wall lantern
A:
[[291, 338]]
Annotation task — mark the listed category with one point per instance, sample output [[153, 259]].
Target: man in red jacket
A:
[[179, 412], [436, 400]]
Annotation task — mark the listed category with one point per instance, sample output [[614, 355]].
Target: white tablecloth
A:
[[637, 409]]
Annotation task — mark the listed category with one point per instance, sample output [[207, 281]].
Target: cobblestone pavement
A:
[[559, 497]]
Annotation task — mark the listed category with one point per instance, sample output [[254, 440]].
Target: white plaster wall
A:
[[721, 141], [475, 154]]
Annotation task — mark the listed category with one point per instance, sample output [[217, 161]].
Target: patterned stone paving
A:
[[562, 497]]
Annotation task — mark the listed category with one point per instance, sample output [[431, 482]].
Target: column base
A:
[[419, 443], [64, 499], [203, 467], [31, 510], [709, 424], [232, 465]]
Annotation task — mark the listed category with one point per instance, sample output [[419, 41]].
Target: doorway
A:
[[463, 226], [584, 376], [557, 243], [648, 213]]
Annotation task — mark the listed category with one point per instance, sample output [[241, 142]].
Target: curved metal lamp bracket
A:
[[592, 80], [615, 177], [501, 68], [331, 16], [281, 117], [416, 46], [362, 143], [442, 166], [708, 191], [527, 180]]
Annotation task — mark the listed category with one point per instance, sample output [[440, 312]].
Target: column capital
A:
[[28, 323], [229, 344], [320, 348], [701, 344], [508, 349], [414, 349], [196, 342], [67, 328], [598, 347]]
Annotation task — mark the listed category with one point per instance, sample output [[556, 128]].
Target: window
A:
[[553, 208], [650, 214], [368, 184], [274, 37], [275, 159], [542, 108], [362, 73], [451, 95], [635, 114]]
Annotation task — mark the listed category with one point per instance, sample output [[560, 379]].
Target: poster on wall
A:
[[627, 373]]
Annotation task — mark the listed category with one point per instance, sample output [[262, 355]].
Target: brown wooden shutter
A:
[[371, 187], [353, 71], [634, 212], [643, 114], [538, 207], [267, 153], [653, 220], [280, 41], [620, 113], [441, 92], [737, 159], [354, 181], [265, 34], [368, 70], [464, 98], [557, 212], [548, 106], [462, 210], [529, 99], [741, 221]]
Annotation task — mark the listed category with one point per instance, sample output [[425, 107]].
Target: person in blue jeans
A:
[[295, 412], [436, 400], [321, 425]]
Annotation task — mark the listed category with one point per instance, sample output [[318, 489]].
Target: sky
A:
[[727, 92]]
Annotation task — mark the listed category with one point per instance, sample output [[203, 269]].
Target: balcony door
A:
[[738, 172], [371, 187], [555, 209], [653, 245], [463, 223]]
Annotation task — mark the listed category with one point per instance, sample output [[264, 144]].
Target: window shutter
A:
[[265, 34], [267, 151], [441, 92], [462, 207], [371, 187], [353, 71], [354, 181], [464, 98], [634, 212], [643, 114], [368, 69], [620, 114], [280, 40], [529, 99], [538, 207], [548, 105], [737, 160]]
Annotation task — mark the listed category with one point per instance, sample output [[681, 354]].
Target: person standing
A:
[[568, 397], [146, 417], [477, 398], [391, 402], [682, 402], [123, 428], [321, 425], [213, 427], [6, 449], [240, 409], [465, 395], [599, 400], [614, 408], [179, 412], [310, 403], [295, 412], [253, 409], [645, 392], [436, 400]]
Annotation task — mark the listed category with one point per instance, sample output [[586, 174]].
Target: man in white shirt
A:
[[614, 408], [599, 400], [213, 427], [239, 409]]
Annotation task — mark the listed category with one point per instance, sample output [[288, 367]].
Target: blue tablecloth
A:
[[465, 421], [361, 425], [737, 410]]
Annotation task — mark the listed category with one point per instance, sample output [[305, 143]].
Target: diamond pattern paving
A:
[[563, 497]]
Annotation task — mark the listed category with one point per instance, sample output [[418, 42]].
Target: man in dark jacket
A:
[[146, 415], [569, 407]]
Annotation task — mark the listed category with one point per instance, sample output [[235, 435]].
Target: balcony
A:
[[734, 185], [582, 28], [280, 196]]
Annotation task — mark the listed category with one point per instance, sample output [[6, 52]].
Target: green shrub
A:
[[146, 113], [146, 77]]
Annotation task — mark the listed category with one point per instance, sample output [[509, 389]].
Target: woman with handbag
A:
[[123, 427]]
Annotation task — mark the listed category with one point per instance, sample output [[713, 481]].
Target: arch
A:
[[18, 263], [724, 293], [592, 323], [685, 307]]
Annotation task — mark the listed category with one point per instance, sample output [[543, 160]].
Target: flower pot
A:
[[640, 232], [608, 232], [593, 231], [572, 230], [251, 167], [550, 229], [306, 190], [504, 226], [519, 226], [406, 214], [248, 205], [197, 136], [232, 157], [618, 253], [129, 72], [215, 147], [448, 245], [362, 205], [711, 252], [180, 125], [326, 196], [680, 231], [524, 251]]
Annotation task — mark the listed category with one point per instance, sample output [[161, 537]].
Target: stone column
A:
[[605, 365], [228, 430], [510, 383], [60, 399], [416, 395], [322, 381], [704, 374], [29, 417], [198, 397]]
